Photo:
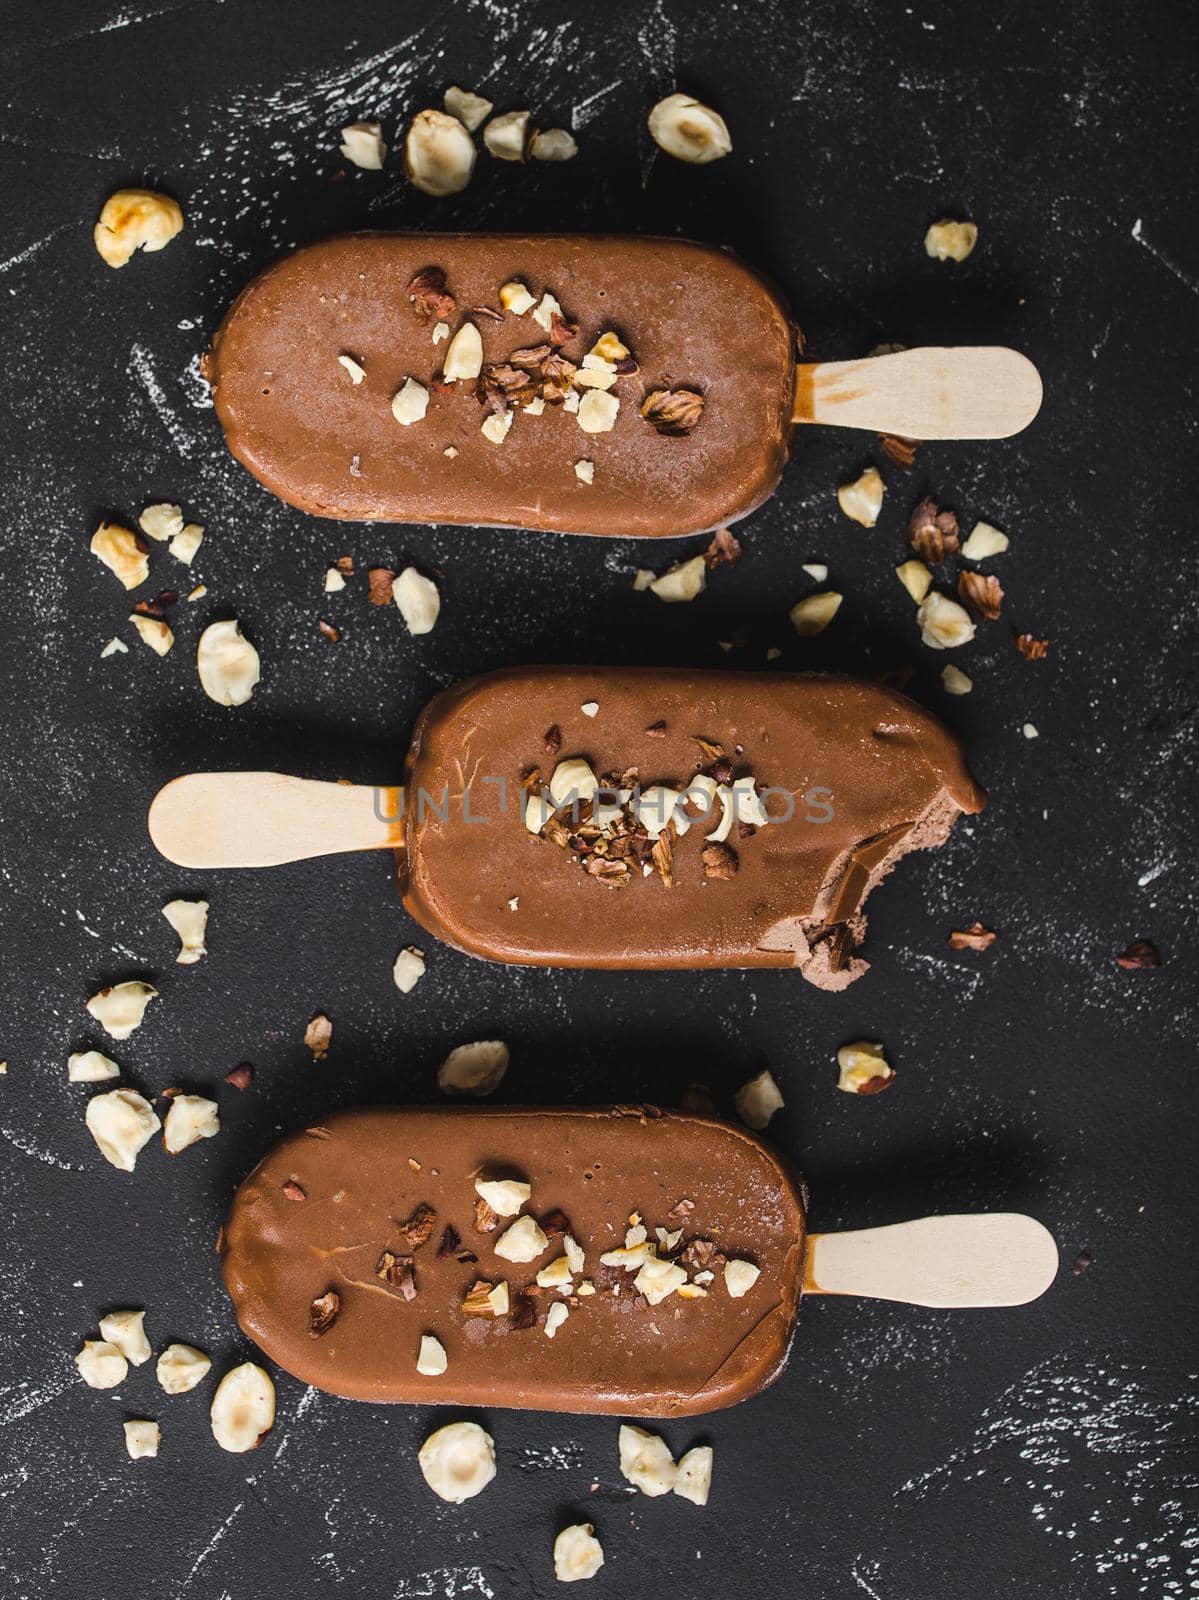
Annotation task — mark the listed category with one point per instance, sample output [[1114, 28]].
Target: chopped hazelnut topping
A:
[[597, 412], [408, 970], [863, 1069], [126, 1330], [362, 145], [814, 612], [673, 412], [101, 1365], [555, 144], [418, 599], [322, 1313], [114, 647], [933, 533], [154, 633], [318, 1036], [189, 918], [380, 581], [657, 1280], [515, 297], [944, 625], [983, 592], [431, 1360], [122, 553], [355, 370], [161, 521], [975, 937], [740, 1277], [90, 1066], [496, 426], [227, 663], [758, 1100], [189, 1119], [121, 1122], [984, 541], [505, 1196], [724, 550], [142, 1438], [950, 241], [410, 403], [418, 1228], [476, 1068], [555, 1316], [862, 500], [181, 1367], [1142, 955], [816, 570], [694, 1476], [471, 110], [464, 355], [439, 153], [334, 582], [507, 135], [916, 579], [293, 1191], [523, 1241], [900, 452], [682, 582], [585, 471], [397, 1271], [240, 1077], [429, 295], [689, 130], [954, 681], [485, 1299], [135, 219], [719, 862], [121, 1007], [646, 1461]]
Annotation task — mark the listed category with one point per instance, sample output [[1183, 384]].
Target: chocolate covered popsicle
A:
[[609, 385], [561, 1260], [622, 817], [614, 817], [620, 1259]]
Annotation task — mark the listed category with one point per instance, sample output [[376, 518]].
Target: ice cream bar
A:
[[622, 817], [610, 385], [615, 1260], [720, 819]]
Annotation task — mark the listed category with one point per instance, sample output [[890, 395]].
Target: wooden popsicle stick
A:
[[997, 1258], [262, 819], [968, 392]]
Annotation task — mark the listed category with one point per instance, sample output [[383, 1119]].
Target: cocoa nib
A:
[[380, 580], [429, 296], [419, 1226], [719, 861], [241, 1077], [486, 1220], [975, 937], [322, 1313], [933, 533], [1030, 647], [984, 593], [523, 1311], [701, 1255], [673, 411], [345, 565], [1140, 955], [292, 1191], [900, 452], [679, 1212], [450, 1240], [160, 605], [397, 1271], [552, 740], [725, 549], [1081, 1262]]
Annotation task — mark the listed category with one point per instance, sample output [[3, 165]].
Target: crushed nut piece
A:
[[121, 1122], [90, 1066], [658, 1279], [975, 937], [524, 1241], [160, 521], [429, 295], [322, 1313], [241, 1076], [189, 918], [184, 545], [114, 647], [506, 136], [1141, 955], [694, 1474], [863, 1069], [814, 612], [505, 1196], [724, 550], [318, 1036], [122, 553], [476, 1068], [153, 632], [189, 1119], [293, 1191], [485, 1299], [944, 625], [410, 403], [900, 452], [362, 144], [758, 1100], [101, 1365], [142, 1439], [720, 862], [950, 241], [228, 664], [916, 579], [984, 541], [464, 355], [862, 500], [135, 219], [120, 1008], [954, 681], [380, 581], [328, 631], [597, 412], [398, 1272], [408, 970], [585, 471], [515, 297], [470, 109], [181, 1367], [984, 593], [431, 1360], [578, 1553], [496, 426], [646, 1461], [689, 130], [458, 1461], [439, 154], [683, 581], [673, 412], [419, 601], [243, 1408], [555, 1316], [933, 533], [334, 582], [555, 144], [740, 1277], [126, 1329], [1030, 647]]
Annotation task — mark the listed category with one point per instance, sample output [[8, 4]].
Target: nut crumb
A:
[[318, 1036], [863, 1069], [950, 241]]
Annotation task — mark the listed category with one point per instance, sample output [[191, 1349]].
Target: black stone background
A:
[[905, 1455]]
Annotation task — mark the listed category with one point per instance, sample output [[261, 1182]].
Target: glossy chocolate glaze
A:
[[693, 316], [364, 1172], [893, 778]]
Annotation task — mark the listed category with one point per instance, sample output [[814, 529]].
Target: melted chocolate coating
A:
[[693, 317], [883, 773], [614, 1353]]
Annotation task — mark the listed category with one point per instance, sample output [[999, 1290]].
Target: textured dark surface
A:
[[905, 1455]]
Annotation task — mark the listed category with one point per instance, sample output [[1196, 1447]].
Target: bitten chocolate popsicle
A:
[[609, 385], [619, 1260], [623, 817]]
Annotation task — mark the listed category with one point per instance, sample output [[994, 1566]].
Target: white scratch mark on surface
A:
[[1160, 255]]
